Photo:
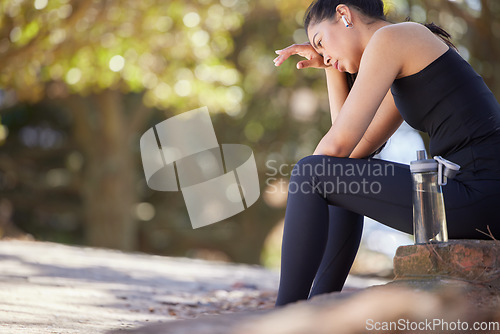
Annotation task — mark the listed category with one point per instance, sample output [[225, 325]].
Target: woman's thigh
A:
[[375, 188], [472, 209], [382, 190]]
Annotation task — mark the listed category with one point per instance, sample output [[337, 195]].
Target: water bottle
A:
[[429, 217]]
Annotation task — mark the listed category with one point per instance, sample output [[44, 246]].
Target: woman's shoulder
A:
[[412, 44], [405, 32], [404, 38]]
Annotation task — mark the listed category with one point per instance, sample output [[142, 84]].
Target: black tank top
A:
[[451, 102]]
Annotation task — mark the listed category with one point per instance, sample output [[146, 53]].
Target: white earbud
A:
[[347, 24]]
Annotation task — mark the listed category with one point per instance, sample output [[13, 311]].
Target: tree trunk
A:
[[108, 184]]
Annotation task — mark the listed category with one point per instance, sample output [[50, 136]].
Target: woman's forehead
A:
[[316, 27]]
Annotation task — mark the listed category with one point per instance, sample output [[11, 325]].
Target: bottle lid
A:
[[450, 169], [423, 165], [446, 170]]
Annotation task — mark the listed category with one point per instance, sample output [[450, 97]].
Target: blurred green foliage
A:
[[171, 49]]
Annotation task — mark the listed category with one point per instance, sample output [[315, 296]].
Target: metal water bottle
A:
[[429, 217]]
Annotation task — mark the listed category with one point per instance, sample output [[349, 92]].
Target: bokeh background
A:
[[82, 80]]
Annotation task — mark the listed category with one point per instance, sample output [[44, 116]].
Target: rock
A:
[[208, 324], [475, 261], [469, 267], [439, 288], [52, 288], [381, 309]]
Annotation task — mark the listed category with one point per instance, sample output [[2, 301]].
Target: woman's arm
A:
[[393, 51], [385, 122], [380, 65], [337, 91], [336, 81]]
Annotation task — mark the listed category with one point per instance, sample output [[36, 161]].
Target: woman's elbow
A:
[[334, 150]]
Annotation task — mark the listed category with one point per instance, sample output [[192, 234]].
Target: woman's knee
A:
[[305, 167], [304, 175], [314, 165]]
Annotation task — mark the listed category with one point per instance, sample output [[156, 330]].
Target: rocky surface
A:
[[381, 309], [443, 288], [476, 261], [52, 288]]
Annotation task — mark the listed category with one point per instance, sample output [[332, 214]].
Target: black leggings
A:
[[327, 199]]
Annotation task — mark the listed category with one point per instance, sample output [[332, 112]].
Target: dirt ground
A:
[[53, 288]]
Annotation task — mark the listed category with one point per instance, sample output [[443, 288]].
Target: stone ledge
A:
[[472, 261]]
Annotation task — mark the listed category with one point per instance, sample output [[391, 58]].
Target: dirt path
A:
[[53, 288]]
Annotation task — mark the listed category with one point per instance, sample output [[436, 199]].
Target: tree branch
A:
[[32, 46]]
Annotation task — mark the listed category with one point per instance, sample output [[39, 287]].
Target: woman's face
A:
[[336, 43]]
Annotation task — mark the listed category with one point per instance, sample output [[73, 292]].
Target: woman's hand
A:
[[305, 50]]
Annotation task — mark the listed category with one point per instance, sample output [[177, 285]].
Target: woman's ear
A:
[[345, 14]]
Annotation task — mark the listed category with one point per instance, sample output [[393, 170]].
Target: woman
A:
[[404, 71]]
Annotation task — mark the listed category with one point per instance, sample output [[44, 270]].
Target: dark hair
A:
[[321, 10], [441, 33]]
